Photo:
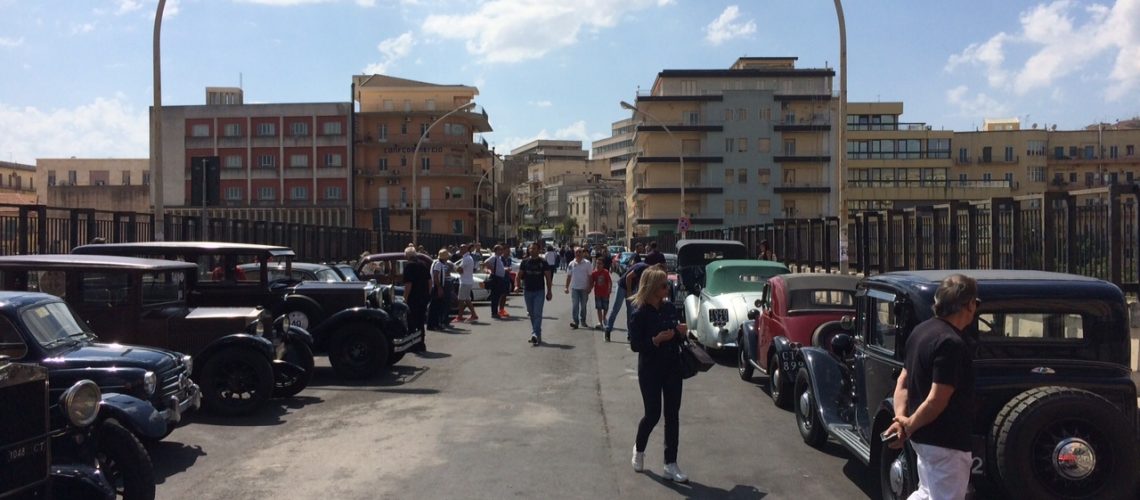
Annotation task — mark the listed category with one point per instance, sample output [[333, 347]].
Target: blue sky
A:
[[77, 73]]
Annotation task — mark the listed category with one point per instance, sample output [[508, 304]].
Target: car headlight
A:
[[80, 403], [188, 362], [256, 327], [150, 383]]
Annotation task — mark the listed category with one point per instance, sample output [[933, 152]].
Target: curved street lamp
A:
[[680, 152], [159, 220], [415, 168]]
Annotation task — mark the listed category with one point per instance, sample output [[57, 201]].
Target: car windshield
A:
[[163, 287], [348, 272], [328, 276], [53, 324]]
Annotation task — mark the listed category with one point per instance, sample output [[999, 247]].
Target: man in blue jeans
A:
[[578, 284], [627, 287], [535, 274]]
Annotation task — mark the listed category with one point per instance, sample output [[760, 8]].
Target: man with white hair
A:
[[417, 287]]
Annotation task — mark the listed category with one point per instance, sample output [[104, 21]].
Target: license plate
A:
[[789, 363]]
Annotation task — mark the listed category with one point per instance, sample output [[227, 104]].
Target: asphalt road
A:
[[484, 414]]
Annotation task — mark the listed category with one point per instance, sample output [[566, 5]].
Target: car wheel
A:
[[236, 382], [743, 367], [1061, 442], [291, 374], [898, 472], [359, 352], [807, 415], [302, 314], [124, 461], [777, 386]]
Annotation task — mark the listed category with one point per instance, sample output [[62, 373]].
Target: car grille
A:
[[23, 435], [173, 382], [718, 316]]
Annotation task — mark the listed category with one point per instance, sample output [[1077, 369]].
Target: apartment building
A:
[[285, 162], [116, 184], [17, 183], [598, 208], [750, 144], [617, 148], [443, 179]]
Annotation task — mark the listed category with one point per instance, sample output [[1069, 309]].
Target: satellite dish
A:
[[1034, 126], [1054, 127]]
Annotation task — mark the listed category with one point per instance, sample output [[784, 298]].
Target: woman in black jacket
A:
[[656, 336]]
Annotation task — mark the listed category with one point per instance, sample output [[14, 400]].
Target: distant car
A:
[[301, 271], [616, 249], [794, 309], [717, 315]]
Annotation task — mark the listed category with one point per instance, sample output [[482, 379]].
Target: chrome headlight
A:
[[256, 327], [150, 382], [188, 362], [80, 403]]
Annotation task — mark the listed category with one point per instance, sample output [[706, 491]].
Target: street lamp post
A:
[[842, 153], [415, 167], [159, 219], [680, 153], [478, 207]]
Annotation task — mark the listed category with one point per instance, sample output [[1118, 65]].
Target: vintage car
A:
[[692, 258], [241, 356], [344, 319], [296, 271], [42, 329], [728, 290], [793, 310], [1055, 407], [387, 268], [31, 468]]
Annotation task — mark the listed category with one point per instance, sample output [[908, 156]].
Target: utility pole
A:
[[205, 225]]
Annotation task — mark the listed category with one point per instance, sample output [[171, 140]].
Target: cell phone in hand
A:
[[889, 438]]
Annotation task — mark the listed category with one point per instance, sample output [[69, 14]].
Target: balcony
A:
[[802, 126], [802, 97], [689, 158], [689, 189], [801, 188], [705, 126], [645, 96], [673, 220], [888, 127], [927, 190], [438, 204], [1077, 161], [802, 158]]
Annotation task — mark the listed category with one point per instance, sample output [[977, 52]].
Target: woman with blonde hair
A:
[[656, 336]]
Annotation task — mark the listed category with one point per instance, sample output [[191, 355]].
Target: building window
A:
[[298, 161], [963, 155], [407, 105], [789, 208], [763, 207], [729, 174], [1113, 152], [962, 179], [266, 193], [728, 207], [764, 145], [200, 130], [51, 178], [233, 193], [987, 154], [126, 177], [729, 145], [987, 177], [382, 133], [790, 177], [429, 104], [330, 128], [727, 114], [457, 226], [454, 129], [299, 193], [1009, 154], [146, 178], [383, 164], [741, 114], [688, 87], [425, 164], [764, 176], [334, 193], [789, 147], [1090, 153], [1009, 178], [1036, 148], [72, 177], [424, 130], [742, 144], [1036, 174], [333, 160], [404, 128], [403, 161], [389, 105], [266, 129], [1129, 150], [300, 129], [266, 161], [691, 117], [232, 130], [742, 176], [233, 161], [741, 207]]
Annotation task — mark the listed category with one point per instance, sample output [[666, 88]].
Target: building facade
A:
[[750, 144], [284, 162], [444, 179], [617, 148], [598, 208], [18, 183], [121, 184]]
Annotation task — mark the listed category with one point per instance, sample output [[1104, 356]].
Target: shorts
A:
[[601, 303], [466, 292]]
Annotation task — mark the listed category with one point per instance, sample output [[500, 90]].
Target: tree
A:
[[568, 227]]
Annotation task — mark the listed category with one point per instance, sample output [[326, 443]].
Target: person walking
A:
[[766, 252], [552, 258], [497, 280], [656, 335], [603, 254], [631, 281], [417, 293], [934, 395], [655, 256], [535, 274], [602, 282], [439, 309], [578, 286], [467, 283]]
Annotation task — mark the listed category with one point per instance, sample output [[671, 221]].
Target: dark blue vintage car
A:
[[1055, 413]]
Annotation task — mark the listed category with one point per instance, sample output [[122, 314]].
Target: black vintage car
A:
[[58, 447], [345, 319], [42, 329], [693, 256], [241, 357], [1055, 404]]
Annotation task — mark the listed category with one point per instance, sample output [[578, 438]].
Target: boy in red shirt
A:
[[602, 282]]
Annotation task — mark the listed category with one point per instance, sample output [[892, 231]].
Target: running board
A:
[[757, 366], [850, 439]]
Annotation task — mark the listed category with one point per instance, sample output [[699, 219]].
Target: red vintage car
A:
[[802, 309]]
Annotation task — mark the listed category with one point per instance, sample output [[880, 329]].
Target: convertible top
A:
[[701, 252]]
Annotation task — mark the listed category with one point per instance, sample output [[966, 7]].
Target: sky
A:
[[75, 75]]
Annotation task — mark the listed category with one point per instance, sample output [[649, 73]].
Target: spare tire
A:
[[1062, 442], [825, 333]]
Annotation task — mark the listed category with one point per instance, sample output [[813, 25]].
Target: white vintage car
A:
[[730, 290]]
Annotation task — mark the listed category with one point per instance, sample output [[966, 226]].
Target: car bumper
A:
[[175, 408], [717, 337], [407, 342]]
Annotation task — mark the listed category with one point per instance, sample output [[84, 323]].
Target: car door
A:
[[877, 356], [105, 301]]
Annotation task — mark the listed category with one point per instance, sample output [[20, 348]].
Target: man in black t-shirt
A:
[[417, 283], [536, 275], [934, 396]]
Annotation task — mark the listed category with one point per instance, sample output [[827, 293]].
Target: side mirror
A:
[[847, 323], [842, 345], [759, 303], [753, 314]]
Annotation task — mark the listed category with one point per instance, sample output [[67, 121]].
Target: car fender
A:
[[329, 327], [693, 311], [295, 299], [749, 339], [138, 416], [80, 481], [261, 345], [826, 375], [785, 353], [294, 332]]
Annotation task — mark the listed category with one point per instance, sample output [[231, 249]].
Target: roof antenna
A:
[[240, 80]]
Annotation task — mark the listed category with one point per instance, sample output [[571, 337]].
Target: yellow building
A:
[[391, 115], [115, 184], [17, 183]]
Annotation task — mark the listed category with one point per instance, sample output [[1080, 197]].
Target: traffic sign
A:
[[683, 224]]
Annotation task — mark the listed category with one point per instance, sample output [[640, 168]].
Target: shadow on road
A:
[[555, 346], [694, 489], [170, 458], [270, 414], [391, 381]]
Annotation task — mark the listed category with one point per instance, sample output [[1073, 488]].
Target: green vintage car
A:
[[731, 288]]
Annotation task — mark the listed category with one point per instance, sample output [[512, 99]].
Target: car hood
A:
[[100, 355]]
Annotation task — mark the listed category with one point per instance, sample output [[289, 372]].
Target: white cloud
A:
[[541, 104], [391, 50], [573, 132], [284, 3], [519, 30], [977, 106], [82, 29], [1063, 38], [366, 3], [106, 127], [11, 42], [126, 6], [727, 26]]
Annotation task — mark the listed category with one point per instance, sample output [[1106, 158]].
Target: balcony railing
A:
[[875, 127], [933, 183]]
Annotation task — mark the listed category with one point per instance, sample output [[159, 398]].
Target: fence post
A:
[[1115, 248], [973, 235]]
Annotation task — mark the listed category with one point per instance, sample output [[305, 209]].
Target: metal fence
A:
[[38, 229], [1092, 232]]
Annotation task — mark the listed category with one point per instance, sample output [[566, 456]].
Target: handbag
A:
[[694, 359]]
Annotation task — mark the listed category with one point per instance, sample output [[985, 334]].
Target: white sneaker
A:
[[673, 473], [638, 460]]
